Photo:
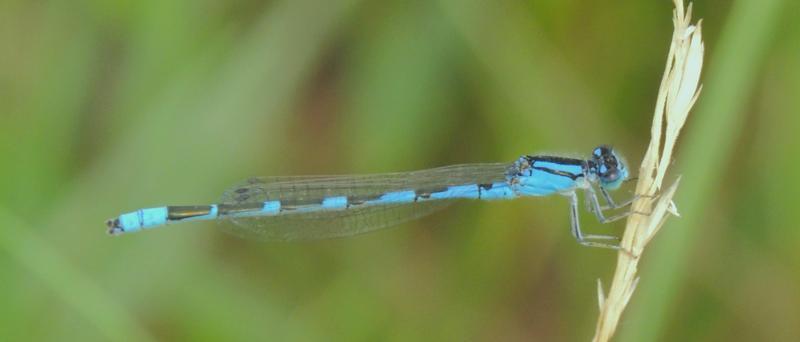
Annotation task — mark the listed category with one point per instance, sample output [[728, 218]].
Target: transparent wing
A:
[[356, 220], [330, 224]]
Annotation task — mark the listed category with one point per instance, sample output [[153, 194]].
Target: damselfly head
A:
[[609, 166]]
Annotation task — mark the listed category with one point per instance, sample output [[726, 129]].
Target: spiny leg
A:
[[575, 228], [611, 204], [594, 206]]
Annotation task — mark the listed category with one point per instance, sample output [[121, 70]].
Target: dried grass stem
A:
[[677, 94]]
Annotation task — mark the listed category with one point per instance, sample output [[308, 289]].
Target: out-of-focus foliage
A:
[[110, 106]]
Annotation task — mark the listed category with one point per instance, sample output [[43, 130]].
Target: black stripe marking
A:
[[177, 213], [297, 202], [359, 200], [228, 209], [558, 172], [555, 159], [482, 187], [426, 193]]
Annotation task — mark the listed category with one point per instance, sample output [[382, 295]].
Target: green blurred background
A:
[[108, 106]]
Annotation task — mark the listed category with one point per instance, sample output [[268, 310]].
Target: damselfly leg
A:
[[593, 205], [591, 240]]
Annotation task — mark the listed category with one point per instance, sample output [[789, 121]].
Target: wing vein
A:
[[322, 224]]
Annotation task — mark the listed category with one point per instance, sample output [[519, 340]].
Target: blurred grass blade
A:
[[67, 282], [521, 66]]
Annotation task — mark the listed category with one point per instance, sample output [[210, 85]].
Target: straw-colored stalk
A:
[[678, 92]]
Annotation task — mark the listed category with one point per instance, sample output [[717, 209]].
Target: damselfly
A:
[[319, 207]]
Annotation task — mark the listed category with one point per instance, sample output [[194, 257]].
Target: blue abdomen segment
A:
[[495, 191], [142, 219], [154, 217], [394, 197], [489, 191], [333, 203], [457, 191]]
